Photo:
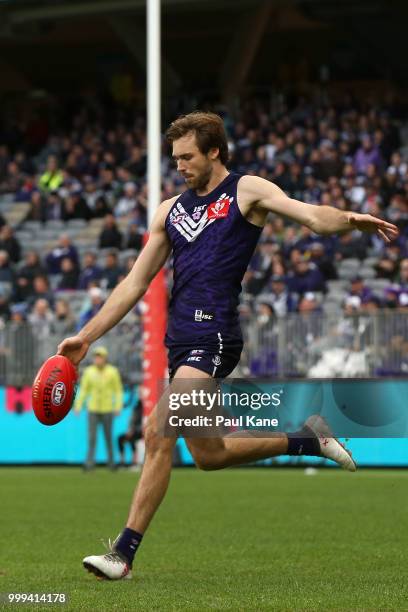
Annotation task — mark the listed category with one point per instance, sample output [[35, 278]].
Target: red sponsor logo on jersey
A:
[[219, 210]]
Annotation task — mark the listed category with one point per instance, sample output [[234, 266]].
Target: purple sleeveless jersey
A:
[[212, 246]]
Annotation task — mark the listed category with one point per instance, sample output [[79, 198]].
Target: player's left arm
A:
[[269, 197]]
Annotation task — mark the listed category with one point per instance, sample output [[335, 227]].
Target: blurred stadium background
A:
[[314, 98]]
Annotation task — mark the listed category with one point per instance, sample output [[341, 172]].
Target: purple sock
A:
[[127, 544]]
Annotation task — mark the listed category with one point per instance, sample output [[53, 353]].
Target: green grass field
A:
[[244, 539]]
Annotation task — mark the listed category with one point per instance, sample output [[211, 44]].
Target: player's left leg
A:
[[314, 439], [151, 488]]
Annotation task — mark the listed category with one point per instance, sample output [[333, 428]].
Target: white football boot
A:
[[330, 447], [109, 566]]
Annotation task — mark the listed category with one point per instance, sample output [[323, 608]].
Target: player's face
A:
[[195, 167]]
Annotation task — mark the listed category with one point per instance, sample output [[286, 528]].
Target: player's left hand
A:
[[373, 225]]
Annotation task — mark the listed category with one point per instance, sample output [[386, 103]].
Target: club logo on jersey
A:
[[216, 360], [220, 208], [191, 227], [177, 217], [199, 315]]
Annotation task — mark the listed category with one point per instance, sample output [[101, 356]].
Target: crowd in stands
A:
[[350, 155]]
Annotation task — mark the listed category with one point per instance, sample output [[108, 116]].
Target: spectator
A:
[[350, 245], [403, 274], [96, 298], [64, 320], [403, 302], [127, 203], [14, 179], [112, 271], [53, 207], [371, 305], [2, 221], [9, 243], [4, 160], [90, 271], [63, 249], [37, 211], [397, 211], [322, 261], [25, 276], [53, 177], [41, 319], [41, 290], [136, 163], [386, 267], [22, 347], [278, 297], [110, 236], [69, 275], [6, 272], [5, 312], [398, 166], [101, 208], [367, 154], [134, 239], [305, 277], [75, 207], [305, 240], [132, 434], [391, 296], [308, 303], [358, 289]]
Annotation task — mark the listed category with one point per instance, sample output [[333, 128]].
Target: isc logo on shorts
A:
[[199, 315]]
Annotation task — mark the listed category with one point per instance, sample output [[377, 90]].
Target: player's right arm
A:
[[125, 295]]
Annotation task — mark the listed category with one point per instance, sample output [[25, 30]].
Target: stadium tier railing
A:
[[324, 345], [312, 345]]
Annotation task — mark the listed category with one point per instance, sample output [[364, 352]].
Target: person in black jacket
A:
[[110, 237], [9, 243], [132, 435]]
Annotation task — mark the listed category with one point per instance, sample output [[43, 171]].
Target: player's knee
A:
[[151, 437], [154, 442], [207, 462]]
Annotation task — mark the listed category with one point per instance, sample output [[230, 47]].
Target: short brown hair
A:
[[209, 131]]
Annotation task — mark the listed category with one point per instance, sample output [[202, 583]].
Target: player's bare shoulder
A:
[[159, 220], [250, 191]]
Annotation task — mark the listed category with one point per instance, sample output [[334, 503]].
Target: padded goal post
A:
[[154, 351]]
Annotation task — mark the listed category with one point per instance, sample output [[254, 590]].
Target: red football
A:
[[54, 389]]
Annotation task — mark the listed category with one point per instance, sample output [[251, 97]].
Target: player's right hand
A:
[[74, 348]]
